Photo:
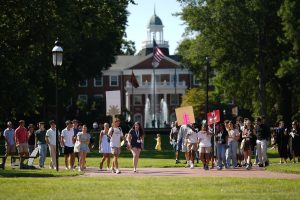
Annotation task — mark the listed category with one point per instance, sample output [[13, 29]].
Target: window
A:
[[83, 83], [98, 81], [137, 118], [98, 98], [174, 79], [83, 98], [137, 100], [174, 99], [114, 80], [196, 80]]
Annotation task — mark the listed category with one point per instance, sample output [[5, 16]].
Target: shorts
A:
[[192, 146], [179, 146], [23, 148], [68, 150], [10, 148], [205, 150], [116, 151]]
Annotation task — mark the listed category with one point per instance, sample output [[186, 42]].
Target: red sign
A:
[[213, 117]]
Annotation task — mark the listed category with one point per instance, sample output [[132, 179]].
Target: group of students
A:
[[75, 142], [110, 143], [230, 144]]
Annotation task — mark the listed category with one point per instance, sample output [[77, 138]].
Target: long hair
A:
[[141, 130]]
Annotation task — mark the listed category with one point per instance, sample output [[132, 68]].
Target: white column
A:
[[127, 101]]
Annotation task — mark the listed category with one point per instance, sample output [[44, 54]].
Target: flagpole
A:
[[154, 83], [175, 85], [132, 106]]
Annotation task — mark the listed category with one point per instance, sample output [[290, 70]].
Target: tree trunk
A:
[[285, 101]]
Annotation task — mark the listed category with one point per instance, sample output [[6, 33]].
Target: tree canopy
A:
[[91, 33], [253, 50]]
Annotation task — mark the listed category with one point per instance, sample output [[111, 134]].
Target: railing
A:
[[166, 84]]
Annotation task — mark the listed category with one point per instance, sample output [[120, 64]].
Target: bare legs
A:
[[105, 156], [136, 155]]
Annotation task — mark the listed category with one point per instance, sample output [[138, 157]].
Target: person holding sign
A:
[[115, 133], [135, 140], [205, 146]]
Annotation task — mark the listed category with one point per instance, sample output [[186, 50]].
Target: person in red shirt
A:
[[21, 138]]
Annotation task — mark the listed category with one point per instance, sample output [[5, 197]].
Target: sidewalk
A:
[[255, 172]]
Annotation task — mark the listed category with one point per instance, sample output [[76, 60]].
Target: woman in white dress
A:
[[104, 146]]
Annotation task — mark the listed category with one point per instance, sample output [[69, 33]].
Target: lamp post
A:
[[57, 58], [207, 84]]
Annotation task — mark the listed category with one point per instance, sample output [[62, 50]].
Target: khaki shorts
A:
[[192, 146], [205, 150], [10, 148], [22, 148], [116, 151]]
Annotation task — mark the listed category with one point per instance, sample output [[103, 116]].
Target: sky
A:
[[140, 15]]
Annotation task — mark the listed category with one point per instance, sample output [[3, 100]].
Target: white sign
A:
[[113, 103]]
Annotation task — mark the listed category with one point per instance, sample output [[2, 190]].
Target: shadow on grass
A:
[[36, 173]]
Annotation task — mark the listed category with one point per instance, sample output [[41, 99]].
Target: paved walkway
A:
[[255, 172]]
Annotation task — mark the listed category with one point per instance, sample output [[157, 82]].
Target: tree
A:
[[91, 32], [241, 40]]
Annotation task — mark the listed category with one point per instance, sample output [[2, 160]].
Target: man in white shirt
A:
[[67, 141], [51, 141], [115, 133], [181, 143]]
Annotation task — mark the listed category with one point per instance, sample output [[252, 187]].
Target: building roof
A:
[[155, 20], [125, 61]]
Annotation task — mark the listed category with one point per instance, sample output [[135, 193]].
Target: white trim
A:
[[110, 81], [101, 85], [194, 81], [83, 97]]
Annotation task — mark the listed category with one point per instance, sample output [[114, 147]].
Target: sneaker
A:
[[235, 167], [134, 170], [177, 162], [66, 168], [187, 165], [113, 170], [79, 170], [248, 167], [192, 166], [260, 165], [219, 168], [118, 171], [206, 167], [108, 169]]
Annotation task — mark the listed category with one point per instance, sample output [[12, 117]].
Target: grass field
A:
[[49, 184], [148, 188]]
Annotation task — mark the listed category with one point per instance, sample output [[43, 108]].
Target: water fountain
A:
[[164, 112], [147, 121]]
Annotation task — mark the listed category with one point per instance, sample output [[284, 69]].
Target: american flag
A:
[[157, 55]]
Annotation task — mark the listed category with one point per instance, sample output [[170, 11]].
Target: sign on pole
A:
[[113, 103], [185, 115], [213, 117]]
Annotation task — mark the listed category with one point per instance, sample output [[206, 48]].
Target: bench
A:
[[29, 164]]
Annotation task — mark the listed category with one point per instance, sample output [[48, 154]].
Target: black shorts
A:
[[68, 150]]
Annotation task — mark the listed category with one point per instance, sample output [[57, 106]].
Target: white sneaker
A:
[[134, 170], [187, 164], [66, 168], [113, 170], [192, 166], [118, 171]]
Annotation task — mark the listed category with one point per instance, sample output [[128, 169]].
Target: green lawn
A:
[[148, 188]]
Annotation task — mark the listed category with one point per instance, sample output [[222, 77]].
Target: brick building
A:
[[171, 81]]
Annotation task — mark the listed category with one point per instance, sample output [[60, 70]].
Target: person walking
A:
[[51, 141], [205, 146], [247, 135], [21, 139], [115, 133], [67, 141], [40, 140], [233, 137], [295, 141], [173, 140], [84, 139], [181, 143], [9, 136], [135, 140], [192, 145], [104, 147], [221, 141], [261, 133], [31, 138], [282, 139]]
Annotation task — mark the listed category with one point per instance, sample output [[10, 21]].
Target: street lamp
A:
[[57, 58], [207, 85]]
